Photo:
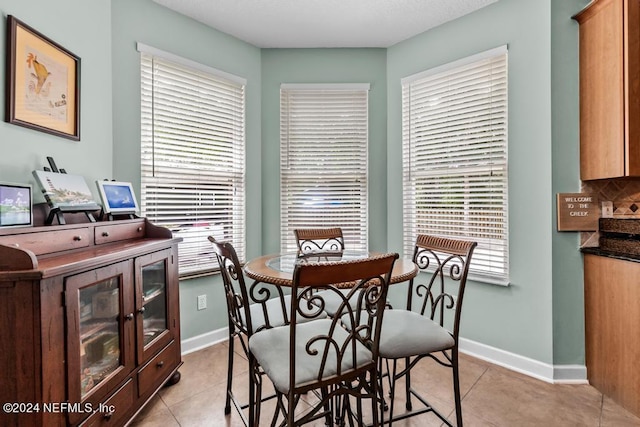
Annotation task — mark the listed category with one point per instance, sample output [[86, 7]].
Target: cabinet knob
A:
[[160, 364], [141, 310], [139, 229], [77, 238], [105, 234], [129, 316], [108, 415]]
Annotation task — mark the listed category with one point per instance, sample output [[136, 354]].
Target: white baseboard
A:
[[557, 374], [208, 339]]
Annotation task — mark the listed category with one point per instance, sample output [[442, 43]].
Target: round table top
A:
[[277, 269]]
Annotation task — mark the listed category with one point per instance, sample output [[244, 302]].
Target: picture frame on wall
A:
[[42, 82]]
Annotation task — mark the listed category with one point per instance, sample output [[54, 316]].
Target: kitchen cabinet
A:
[[612, 327], [90, 316], [609, 89]]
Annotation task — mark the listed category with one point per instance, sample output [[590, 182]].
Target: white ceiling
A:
[[323, 23]]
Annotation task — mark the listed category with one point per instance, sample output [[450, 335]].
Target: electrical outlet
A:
[[202, 302], [607, 209]]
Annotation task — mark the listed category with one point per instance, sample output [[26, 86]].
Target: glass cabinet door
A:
[[99, 308], [154, 327]]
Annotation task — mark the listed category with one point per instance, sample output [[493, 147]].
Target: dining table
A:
[[277, 268]]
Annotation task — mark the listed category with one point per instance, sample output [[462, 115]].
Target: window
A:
[[454, 133], [323, 160], [193, 155]]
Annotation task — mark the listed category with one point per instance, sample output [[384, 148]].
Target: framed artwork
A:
[[43, 82], [66, 192], [15, 205], [117, 197]]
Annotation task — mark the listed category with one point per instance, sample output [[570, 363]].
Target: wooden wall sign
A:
[[577, 212]]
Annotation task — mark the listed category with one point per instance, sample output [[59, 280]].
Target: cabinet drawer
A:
[[50, 241], [158, 369], [110, 412], [116, 232]]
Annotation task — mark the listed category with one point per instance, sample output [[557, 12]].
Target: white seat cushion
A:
[[271, 350], [273, 307], [332, 300], [406, 333]]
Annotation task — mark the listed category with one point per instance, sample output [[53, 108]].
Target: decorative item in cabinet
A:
[[153, 274], [99, 358]]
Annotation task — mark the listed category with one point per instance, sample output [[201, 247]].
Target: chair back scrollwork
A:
[[319, 239], [446, 261]]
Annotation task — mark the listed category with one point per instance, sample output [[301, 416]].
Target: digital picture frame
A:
[[15, 205], [117, 197]]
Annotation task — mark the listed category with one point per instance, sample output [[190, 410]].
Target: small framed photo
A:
[[117, 197], [43, 82], [15, 205]]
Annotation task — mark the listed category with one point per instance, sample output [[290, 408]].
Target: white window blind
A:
[[323, 161], [193, 156], [454, 131]]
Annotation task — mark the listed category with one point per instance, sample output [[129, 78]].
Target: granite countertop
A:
[[619, 238], [610, 254]]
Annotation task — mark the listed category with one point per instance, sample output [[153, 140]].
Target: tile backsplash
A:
[[625, 195]]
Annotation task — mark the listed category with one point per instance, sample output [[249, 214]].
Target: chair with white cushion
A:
[[319, 354], [430, 325], [246, 317]]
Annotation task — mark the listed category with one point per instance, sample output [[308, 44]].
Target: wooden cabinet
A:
[[90, 316], [612, 326], [610, 89]]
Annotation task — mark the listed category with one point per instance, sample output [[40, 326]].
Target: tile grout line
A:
[[601, 409], [475, 383]]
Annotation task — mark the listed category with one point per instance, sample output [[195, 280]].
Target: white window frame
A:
[[324, 134], [193, 155], [455, 176]]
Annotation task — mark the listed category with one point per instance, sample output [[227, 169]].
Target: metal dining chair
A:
[[249, 311], [320, 355], [430, 325], [322, 244], [319, 239]]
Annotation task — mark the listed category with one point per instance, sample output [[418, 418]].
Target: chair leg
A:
[[255, 393], [291, 410], [329, 406], [375, 383], [347, 411], [407, 385], [279, 408], [456, 386], [227, 404], [392, 390], [383, 402]]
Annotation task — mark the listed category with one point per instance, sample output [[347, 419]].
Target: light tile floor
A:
[[492, 396]]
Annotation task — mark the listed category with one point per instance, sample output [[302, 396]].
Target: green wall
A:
[[539, 316], [76, 29], [519, 318], [568, 297], [323, 66], [146, 22]]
